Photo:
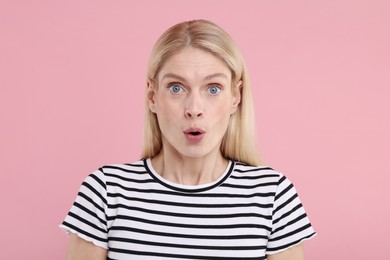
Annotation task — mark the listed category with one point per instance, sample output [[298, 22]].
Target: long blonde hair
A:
[[238, 142]]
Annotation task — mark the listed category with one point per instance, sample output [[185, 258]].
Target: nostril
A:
[[190, 114]]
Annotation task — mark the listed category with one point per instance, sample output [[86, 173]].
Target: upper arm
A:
[[290, 224], [80, 249], [293, 253]]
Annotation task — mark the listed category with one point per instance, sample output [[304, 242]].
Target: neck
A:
[[189, 170]]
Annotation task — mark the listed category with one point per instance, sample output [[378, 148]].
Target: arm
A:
[[293, 253], [80, 249]]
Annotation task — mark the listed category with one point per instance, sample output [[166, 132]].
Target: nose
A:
[[194, 106]]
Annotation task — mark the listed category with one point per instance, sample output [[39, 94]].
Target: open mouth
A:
[[194, 131], [194, 134]]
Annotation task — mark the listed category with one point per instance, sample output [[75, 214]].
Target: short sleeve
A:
[[290, 224], [87, 217]]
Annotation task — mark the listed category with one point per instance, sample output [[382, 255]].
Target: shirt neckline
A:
[[188, 188]]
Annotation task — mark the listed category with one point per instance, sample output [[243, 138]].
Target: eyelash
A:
[[214, 86], [171, 85], [210, 86]]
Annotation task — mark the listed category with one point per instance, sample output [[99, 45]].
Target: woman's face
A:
[[193, 102]]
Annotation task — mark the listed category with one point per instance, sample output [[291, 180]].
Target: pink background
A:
[[72, 78]]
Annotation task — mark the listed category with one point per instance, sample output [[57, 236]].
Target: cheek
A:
[[221, 110], [167, 110]]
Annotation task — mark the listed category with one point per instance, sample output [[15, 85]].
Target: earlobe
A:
[[150, 96]]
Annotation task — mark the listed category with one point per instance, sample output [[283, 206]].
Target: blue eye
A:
[[214, 90], [175, 88]]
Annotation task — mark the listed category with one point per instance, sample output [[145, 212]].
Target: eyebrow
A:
[[178, 77]]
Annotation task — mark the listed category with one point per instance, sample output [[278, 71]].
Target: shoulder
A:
[[243, 170], [104, 173], [262, 176], [122, 175], [121, 169]]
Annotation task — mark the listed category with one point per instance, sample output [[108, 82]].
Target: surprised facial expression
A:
[[193, 101]]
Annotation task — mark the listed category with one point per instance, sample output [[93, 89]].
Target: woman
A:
[[199, 192]]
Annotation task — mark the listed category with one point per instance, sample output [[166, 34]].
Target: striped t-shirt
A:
[[133, 212]]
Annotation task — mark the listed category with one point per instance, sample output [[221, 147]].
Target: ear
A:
[[236, 96], [150, 96]]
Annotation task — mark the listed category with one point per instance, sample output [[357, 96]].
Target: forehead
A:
[[194, 63]]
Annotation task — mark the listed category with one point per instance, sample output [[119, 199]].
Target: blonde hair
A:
[[238, 142]]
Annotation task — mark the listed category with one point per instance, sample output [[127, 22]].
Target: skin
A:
[[293, 253], [194, 90], [196, 75], [80, 249]]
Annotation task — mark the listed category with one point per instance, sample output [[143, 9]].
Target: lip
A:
[[194, 138]]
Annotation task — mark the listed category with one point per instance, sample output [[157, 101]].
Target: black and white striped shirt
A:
[[136, 214]]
